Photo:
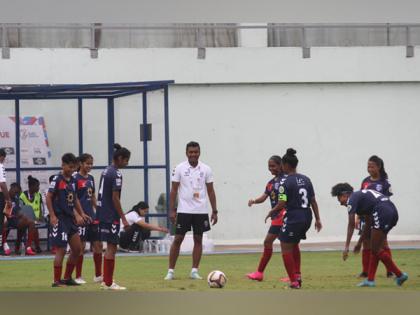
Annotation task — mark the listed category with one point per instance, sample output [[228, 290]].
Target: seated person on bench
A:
[[138, 229], [20, 220], [32, 197]]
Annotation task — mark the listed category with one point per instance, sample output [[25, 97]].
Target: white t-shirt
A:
[[2, 173], [192, 191], [132, 218]]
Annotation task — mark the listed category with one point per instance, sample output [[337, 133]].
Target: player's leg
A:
[[266, 256], [2, 205], [289, 261], [59, 240], [38, 249], [96, 244], [82, 231], [58, 266], [30, 225], [183, 225], [387, 249], [75, 252], [109, 258], [200, 224]]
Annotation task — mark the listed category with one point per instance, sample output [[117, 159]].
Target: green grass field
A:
[[321, 271]]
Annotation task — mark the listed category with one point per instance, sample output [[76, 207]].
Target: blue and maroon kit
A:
[[85, 188], [370, 202], [272, 190], [381, 185], [297, 191], [109, 219], [13, 221], [64, 197]]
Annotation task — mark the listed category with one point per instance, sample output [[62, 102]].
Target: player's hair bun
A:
[[117, 146], [291, 151], [30, 177]]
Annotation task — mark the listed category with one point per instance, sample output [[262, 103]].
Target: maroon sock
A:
[[265, 258], [57, 273], [388, 251], [36, 238], [4, 236], [29, 240], [97, 258], [108, 271], [289, 264], [389, 264], [365, 259], [296, 258], [373, 266], [79, 267], [69, 270]]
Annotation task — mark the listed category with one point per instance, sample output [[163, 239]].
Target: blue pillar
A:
[[17, 145], [111, 129], [145, 150], [167, 162], [80, 125]]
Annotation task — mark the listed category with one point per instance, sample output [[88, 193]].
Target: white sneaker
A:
[[98, 279], [170, 276], [113, 286], [194, 275], [80, 281]]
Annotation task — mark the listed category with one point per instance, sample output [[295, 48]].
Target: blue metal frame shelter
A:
[[108, 91]]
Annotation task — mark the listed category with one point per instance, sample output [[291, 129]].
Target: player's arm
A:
[[117, 204], [8, 207], [51, 213], [78, 208], [94, 202], [212, 198], [350, 231], [315, 209], [151, 227], [172, 199], [279, 206], [364, 235], [260, 199]]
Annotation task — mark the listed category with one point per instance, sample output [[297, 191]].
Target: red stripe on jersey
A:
[[62, 185], [81, 183]]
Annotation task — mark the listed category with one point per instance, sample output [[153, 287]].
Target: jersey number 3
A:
[[304, 195]]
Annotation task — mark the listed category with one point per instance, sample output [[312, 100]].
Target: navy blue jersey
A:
[[15, 205], [381, 185], [297, 191], [111, 180], [272, 190], [64, 194], [85, 188], [363, 202]]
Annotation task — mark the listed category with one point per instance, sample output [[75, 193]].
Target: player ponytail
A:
[[380, 164], [276, 159], [341, 189], [290, 158], [120, 151], [140, 206], [32, 181]]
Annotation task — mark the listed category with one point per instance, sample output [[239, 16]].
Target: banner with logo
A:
[[34, 147]]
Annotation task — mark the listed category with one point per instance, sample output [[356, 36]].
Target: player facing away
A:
[[272, 192], [65, 214], [381, 216], [297, 195], [192, 181], [378, 181], [109, 212], [85, 188]]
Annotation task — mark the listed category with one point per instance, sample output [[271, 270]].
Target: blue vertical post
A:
[[80, 125], [145, 150], [111, 129], [167, 162], [17, 144]]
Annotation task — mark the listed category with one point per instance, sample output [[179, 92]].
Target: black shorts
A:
[[274, 229], [89, 233], [384, 217], [109, 232], [61, 233], [133, 235], [200, 223], [293, 233]]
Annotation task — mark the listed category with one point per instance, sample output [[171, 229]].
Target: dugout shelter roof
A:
[[72, 91]]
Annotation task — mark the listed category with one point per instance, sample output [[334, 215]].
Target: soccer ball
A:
[[216, 279]]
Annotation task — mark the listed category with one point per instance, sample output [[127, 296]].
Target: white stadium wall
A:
[[243, 105]]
